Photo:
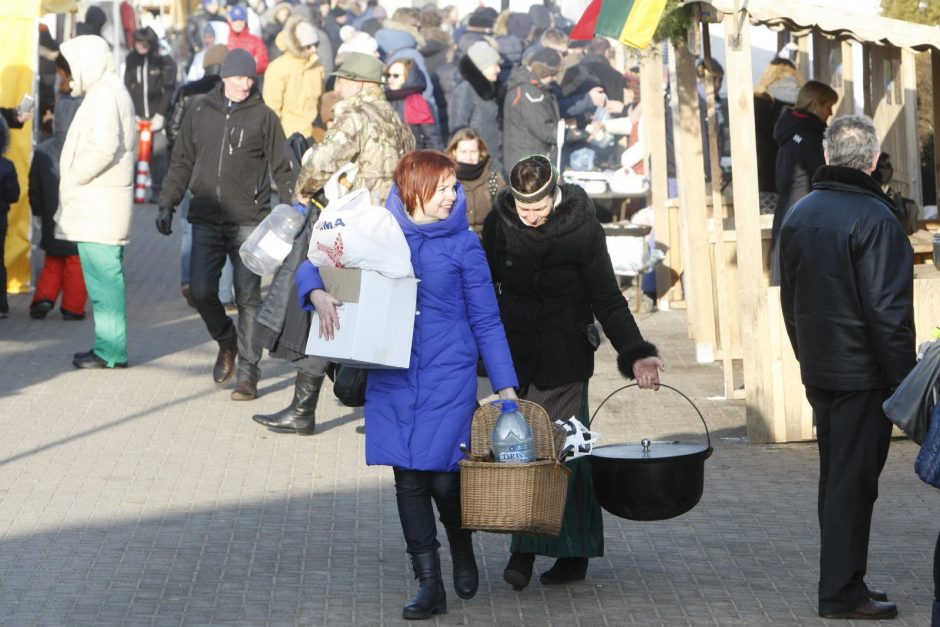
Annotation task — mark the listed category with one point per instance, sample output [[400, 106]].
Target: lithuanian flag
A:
[[632, 22]]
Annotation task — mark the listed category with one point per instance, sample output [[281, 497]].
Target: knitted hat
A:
[[482, 18], [238, 12], [545, 62], [361, 67], [482, 55], [306, 34], [215, 55], [239, 62]]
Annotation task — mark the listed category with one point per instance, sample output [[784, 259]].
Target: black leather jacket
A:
[[847, 284]]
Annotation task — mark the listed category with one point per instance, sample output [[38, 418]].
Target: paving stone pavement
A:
[[146, 497]]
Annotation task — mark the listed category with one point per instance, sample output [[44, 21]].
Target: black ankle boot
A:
[[518, 571], [300, 416], [431, 598], [466, 575], [565, 570]]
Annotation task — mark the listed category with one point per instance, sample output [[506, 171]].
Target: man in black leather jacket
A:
[[847, 295]]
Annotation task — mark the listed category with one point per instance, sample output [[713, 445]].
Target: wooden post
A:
[[935, 76], [717, 217], [690, 168], [847, 102], [911, 154], [654, 139], [868, 107], [752, 290]]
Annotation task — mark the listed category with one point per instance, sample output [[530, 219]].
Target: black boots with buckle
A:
[[431, 598]]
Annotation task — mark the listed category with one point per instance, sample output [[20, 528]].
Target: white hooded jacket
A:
[[97, 166]]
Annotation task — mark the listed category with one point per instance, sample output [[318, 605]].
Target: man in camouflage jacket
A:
[[366, 130]]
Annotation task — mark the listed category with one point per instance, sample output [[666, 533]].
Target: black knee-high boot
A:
[[466, 575], [431, 598], [300, 417]]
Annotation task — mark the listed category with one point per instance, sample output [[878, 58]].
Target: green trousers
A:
[[103, 266]]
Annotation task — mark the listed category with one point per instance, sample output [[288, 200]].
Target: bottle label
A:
[[515, 454], [274, 245]]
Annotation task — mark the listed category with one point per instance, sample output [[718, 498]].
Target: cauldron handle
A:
[[633, 385]]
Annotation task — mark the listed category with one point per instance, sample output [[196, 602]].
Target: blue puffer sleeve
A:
[[307, 279], [483, 316]]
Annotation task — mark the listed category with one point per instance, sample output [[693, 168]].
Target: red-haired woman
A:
[[417, 418]]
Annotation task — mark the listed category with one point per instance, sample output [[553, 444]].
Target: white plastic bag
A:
[[354, 233]]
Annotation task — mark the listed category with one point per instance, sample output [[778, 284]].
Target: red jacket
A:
[[253, 44]]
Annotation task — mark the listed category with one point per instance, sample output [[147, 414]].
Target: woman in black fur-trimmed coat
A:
[[475, 101], [553, 276]]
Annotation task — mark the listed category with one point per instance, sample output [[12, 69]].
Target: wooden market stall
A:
[[725, 243]]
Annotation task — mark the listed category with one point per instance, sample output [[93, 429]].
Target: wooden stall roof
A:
[[803, 17]]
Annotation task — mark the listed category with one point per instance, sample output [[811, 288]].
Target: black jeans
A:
[[4, 222], [212, 244], [853, 435], [414, 490]]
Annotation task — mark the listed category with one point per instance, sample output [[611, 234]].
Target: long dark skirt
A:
[[582, 529]]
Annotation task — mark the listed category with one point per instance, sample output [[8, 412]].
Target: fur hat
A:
[[482, 55], [545, 62], [215, 55], [239, 62]]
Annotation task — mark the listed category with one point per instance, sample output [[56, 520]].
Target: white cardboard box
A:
[[376, 319]]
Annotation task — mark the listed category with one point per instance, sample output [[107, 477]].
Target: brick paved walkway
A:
[[147, 497]]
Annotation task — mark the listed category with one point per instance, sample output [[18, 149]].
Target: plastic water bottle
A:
[[512, 437], [269, 244]]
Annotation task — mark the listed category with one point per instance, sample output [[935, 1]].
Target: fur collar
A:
[[483, 88], [840, 177], [574, 210]]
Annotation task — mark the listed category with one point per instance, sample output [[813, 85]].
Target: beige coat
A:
[[96, 188], [293, 83]]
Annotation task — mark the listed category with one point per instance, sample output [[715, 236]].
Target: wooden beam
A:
[[722, 295], [752, 288], [654, 140], [911, 153], [690, 170], [935, 76], [847, 101]]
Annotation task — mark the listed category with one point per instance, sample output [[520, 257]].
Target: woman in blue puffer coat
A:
[[417, 418]]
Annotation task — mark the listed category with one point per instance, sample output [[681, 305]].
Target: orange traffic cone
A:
[[145, 148]]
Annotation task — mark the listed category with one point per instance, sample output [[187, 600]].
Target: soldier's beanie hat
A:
[[239, 62], [361, 67]]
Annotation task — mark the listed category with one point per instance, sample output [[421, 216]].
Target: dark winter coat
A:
[[767, 110], [282, 324], [183, 98], [799, 137], [481, 183], [416, 112], [9, 185], [552, 281], [44, 179], [847, 284], [150, 79], [475, 103], [530, 118], [223, 158]]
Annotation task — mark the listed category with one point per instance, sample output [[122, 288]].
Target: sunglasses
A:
[[393, 75], [312, 46]]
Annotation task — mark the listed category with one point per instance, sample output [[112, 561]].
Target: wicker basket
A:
[[514, 498]]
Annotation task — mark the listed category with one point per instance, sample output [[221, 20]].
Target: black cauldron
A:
[[650, 480]]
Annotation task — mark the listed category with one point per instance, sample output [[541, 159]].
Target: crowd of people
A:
[[458, 124]]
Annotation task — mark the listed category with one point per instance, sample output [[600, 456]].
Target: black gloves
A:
[[164, 220]]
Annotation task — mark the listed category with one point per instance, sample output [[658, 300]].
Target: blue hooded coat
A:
[[417, 417]]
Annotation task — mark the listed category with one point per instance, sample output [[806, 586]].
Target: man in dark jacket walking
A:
[[150, 78], [530, 110], [228, 142], [847, 297]]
